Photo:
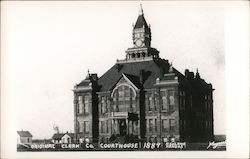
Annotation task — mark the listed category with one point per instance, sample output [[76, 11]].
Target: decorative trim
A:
[[135, 60]]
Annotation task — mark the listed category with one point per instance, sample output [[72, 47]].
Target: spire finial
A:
[[197, 73], [88, 75], [141, 10], [171, 68]]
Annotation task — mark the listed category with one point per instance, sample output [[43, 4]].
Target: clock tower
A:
[[141, 41], [141, 32]]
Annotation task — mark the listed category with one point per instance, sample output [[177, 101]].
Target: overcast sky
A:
[[51, 45]]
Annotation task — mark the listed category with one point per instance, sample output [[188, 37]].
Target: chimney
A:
[[189, 75], [186, 73], [142, 72], [94, 77]]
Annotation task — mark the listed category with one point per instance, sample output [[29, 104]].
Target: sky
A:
[[51, 45]]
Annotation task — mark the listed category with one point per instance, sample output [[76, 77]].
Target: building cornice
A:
[[135, 60], [82, 89]]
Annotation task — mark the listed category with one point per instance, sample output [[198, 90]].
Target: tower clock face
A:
[[138, 43]]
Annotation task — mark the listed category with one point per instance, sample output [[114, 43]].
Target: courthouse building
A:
[[143, 97]]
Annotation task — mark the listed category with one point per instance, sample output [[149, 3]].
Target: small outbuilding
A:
[[63, 138], [24, 137]]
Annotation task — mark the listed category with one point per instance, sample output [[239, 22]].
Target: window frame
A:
[[171, 127]]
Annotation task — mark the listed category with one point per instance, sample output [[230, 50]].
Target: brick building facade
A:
[[143, 97]]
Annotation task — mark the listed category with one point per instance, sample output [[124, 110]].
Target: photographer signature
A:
[[214, 145]]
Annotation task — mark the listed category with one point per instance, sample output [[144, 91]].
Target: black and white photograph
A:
[[119, 77]]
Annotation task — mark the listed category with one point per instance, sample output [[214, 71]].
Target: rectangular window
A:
[[164, 100], [164, 125], [81, 129], [151, 125], [86, 126], [86, 104], [103, 105], [171, 100], [102, 126], [80, 104], [151, 102], [171, 124]]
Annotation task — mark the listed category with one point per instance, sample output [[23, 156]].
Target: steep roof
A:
[[141, 22], [24, 133], [57, 136], [134, 79], [152, 69], [84, 83], [60, 135]]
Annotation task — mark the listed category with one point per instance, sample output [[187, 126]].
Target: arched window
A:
[[124, 99]]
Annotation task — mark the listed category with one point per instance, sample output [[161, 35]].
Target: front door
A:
[[123, 127]]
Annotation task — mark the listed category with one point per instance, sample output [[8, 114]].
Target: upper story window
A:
[[124, 99], [171, 100], [86, 104], [103, 105], [80, 105], [150, 102], [83, 104], [168, 100]]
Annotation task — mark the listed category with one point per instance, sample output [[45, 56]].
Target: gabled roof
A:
[[60, 135], [152, 69], [70, 134], [134, 79], [141, 22], [24, 133], [57, 136], [84, 83]]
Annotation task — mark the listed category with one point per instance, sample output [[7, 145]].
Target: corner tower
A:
[[141, 41]]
